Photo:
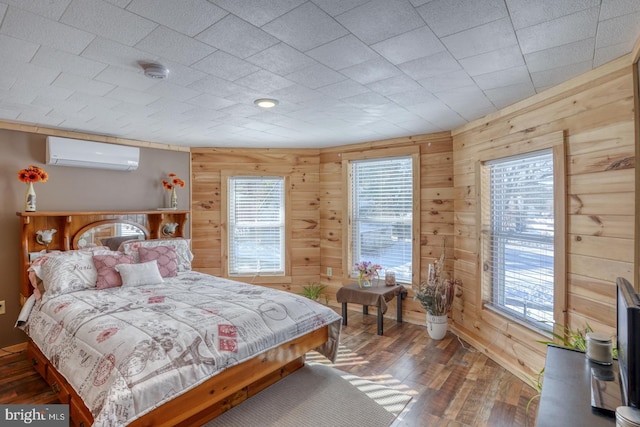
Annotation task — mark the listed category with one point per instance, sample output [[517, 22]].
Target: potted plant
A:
[[313, 291], [436, 296]]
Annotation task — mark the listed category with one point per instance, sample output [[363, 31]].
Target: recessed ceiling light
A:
[[155, 71], [266, 102]]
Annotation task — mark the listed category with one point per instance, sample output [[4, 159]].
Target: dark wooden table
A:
[[376, 296]]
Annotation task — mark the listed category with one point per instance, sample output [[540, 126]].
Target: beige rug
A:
[[317, 396]]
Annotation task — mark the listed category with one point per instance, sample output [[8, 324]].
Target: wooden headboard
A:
[[70, 225]]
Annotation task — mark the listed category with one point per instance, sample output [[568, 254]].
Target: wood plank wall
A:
[[437, 215], [301, 166], [596, 113]]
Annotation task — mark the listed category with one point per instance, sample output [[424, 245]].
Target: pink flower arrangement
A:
[[367, 270]]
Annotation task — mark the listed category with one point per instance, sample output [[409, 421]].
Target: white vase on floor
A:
[[437, 326]]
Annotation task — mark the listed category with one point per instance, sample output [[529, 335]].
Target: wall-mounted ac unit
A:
[[89, 154]]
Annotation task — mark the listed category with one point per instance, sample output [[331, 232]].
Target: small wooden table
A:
[[377, 296]]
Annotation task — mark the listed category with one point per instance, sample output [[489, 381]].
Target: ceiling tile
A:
[[264, 81], [83, 84], [369, 99], [175, 46], [447, 17], [484, 38], [413, 97], [433, 65], [281, 59], [495, 60], [411, 45], [336, 7], [315, 76], [343, 89], [560, 31], [614, 8], [554, 57], [526, 13], [371, 71], [396, 84], [120, 3], [210, 101], [189, 17], [27, 26], [51, 9], [121, 77], [609, 53], [225, 66], [168, 90], [132, 96], [508, 77], [16, 49], [295, 94], [114, 53], [465, 99], [391, 19], [507, 95], [37, 75], [255, 11], [180, 74], [305, 27], [109, 21], [216, 86], [438, 113], [63, 61], [548, 78], [446, 81], [343, 52], [237, 37], [618, 30]]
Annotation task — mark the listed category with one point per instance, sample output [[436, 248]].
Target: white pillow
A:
[[146, 273], [71, 272], [183, 251]]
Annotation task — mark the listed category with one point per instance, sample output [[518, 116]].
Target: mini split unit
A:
[[89, 154]]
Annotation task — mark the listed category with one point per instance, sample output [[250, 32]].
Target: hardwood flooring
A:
[[452, 384]]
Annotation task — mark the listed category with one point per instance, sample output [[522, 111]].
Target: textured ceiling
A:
[[344, 71]]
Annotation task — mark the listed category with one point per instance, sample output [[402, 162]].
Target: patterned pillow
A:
[[108, 277], [73, 272], [143, 274], [166, 257], [183, 252]]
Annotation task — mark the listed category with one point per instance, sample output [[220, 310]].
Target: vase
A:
[[30, 199], [174, 199], [436, 326], [363, 282]]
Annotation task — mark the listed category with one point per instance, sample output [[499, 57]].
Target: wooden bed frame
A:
[[200, 404]]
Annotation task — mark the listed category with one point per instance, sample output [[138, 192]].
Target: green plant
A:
[[313, 291]]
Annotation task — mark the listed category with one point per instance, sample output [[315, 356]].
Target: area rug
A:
[[318, 396]]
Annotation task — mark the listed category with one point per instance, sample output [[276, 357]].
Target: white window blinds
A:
[[519, 237], [256, 225], [382, 212]]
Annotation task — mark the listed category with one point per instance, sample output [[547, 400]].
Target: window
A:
[[382, 214], [522, 231], [256, 225]]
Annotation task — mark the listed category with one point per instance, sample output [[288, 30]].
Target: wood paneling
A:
[[595, 112]]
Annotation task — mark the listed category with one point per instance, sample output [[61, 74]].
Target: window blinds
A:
[[520, 244], [256, 225], [382, 212]]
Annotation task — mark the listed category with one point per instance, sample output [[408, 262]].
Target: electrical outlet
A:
[[329, 271], [2, 307]]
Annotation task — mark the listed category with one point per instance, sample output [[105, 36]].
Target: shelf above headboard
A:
[[69, 223]]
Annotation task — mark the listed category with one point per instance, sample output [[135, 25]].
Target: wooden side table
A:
[[377, 296]]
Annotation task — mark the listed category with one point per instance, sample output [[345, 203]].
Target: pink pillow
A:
[[108, 277], [166, 257]]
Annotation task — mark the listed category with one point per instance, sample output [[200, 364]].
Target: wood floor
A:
[[452, 384]]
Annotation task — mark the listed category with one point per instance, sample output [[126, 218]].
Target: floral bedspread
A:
[[128, 350]]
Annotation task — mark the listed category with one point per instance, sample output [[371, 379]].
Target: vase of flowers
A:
[[436, 296], [31, 174], [367, 271], [170, 183]]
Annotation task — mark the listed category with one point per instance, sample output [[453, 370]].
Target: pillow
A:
[[68, 273], [105, 265], [164, 255], [143, 274], [114, 242], [183, 252]]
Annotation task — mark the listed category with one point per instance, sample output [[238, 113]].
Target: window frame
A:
[[255, 277], [555, 142], [347, 226]]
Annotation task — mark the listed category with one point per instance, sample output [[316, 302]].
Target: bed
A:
[[179, 352]]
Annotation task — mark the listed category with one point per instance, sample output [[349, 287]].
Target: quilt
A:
[[128, 350]]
